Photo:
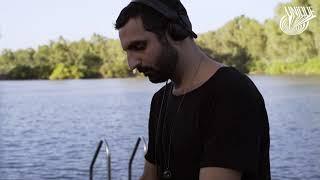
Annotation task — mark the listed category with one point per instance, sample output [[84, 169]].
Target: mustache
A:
[[143, 69]]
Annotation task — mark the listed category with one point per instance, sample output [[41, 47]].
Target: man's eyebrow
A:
[[134, 43]]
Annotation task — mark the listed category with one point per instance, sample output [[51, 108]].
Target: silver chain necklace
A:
[[167, 174]]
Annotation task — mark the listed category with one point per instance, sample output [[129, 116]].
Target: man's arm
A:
[[149, 171], [216, 173]]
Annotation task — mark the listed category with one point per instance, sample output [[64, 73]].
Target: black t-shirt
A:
[[222, 123]]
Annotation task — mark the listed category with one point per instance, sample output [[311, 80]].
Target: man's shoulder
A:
[[232, 79], [231, 82]]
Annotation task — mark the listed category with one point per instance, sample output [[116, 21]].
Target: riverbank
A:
[[276, 67], [272, 68]]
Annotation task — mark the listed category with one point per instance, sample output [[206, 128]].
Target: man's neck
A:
[[188, 67], [193, 69]]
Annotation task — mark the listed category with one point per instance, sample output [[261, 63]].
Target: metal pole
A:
[[132, 156], [108, 159], [145, 147], [94, 160]]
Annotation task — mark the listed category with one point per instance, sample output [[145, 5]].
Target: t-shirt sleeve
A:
[[230, 135], [150, 155]]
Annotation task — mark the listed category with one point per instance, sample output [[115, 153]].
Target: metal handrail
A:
[[145, 147], [108, 157], [132, 156], [108, 154], [134, 153], [94, 160]]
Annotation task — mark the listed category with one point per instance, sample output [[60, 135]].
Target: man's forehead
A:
[[132, 31]]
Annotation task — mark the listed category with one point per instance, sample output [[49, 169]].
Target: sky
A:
[[28, 24]]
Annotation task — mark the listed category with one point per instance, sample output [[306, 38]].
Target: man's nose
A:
[[133, 60]]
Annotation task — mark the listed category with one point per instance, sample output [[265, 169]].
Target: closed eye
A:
[[140, 46], [137, 45]]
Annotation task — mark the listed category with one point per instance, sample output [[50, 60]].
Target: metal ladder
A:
[[108, 157]]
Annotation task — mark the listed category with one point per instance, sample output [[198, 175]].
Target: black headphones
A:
[[179, 26]]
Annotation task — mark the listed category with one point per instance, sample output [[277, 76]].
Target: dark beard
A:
[[165, 64]]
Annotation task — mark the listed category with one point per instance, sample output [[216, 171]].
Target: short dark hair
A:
[[152, 20]]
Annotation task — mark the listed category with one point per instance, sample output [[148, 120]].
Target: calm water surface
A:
[[50, 129]]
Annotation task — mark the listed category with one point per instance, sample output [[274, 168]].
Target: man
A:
[[210, 121]]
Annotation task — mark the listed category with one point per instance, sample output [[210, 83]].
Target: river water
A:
[[50, 129]]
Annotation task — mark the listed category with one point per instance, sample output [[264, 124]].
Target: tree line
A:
[[248, 45]]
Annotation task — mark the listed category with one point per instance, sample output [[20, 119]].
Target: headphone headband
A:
[[172, 15], [163, 9]]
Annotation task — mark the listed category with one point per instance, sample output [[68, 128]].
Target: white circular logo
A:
[[296, 20], [293, 27]]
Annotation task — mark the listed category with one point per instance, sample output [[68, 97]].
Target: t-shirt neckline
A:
[[214, 75]]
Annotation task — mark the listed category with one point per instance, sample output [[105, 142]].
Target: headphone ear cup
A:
[[176, 32]]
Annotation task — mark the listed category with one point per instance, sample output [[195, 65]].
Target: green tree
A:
[[7, 61], [116, 64], [61, 53], [237, 43], [314, 25], [21, 71], [66, 72], [90, 65]]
